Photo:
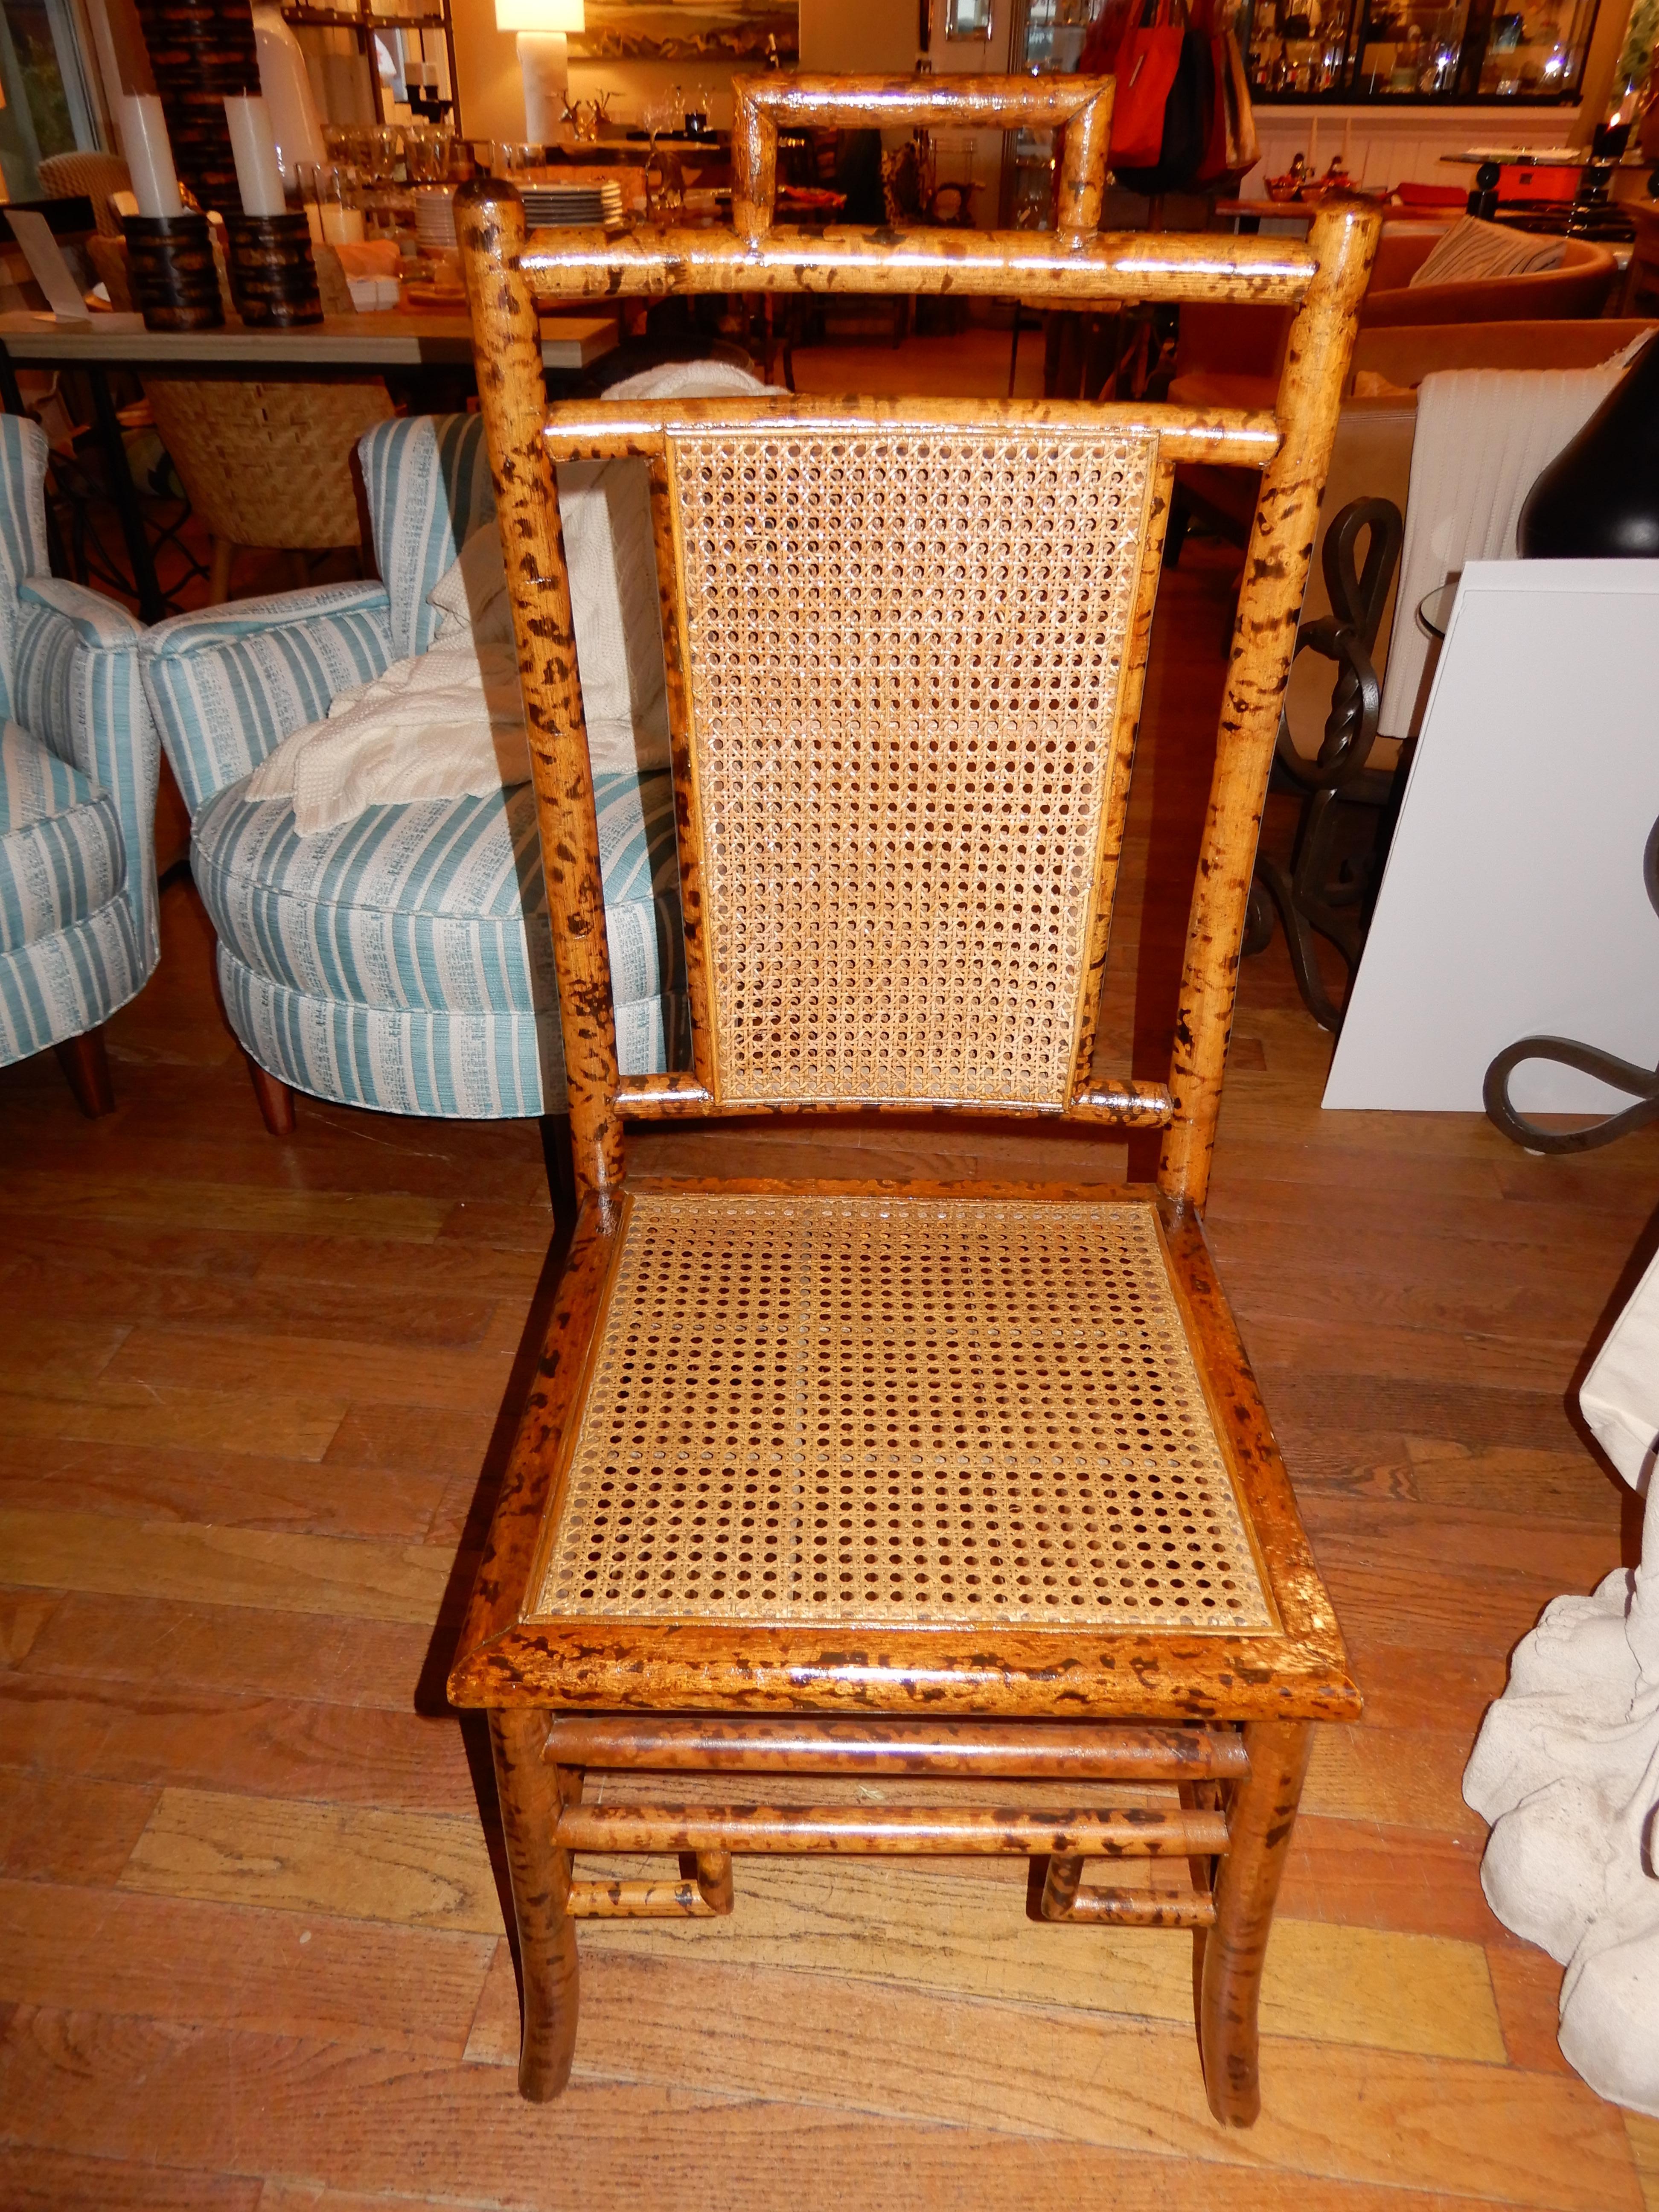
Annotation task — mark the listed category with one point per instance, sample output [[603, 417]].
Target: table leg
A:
[[151, 606]]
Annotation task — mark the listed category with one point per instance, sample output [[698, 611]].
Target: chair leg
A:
[[1259, 1834], [86, 1068], [561, 1170], [219, 576], [530, 1792], [275, 1097]]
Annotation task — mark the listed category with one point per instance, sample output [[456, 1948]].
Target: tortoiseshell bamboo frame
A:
[[1228, 1713]]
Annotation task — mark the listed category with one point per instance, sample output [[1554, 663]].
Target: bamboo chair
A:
[[959, 1481]]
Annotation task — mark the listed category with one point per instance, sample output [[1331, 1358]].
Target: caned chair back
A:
[[905, 643], [908, 693]]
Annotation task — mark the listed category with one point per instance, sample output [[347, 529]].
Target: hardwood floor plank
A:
[[277, 1973], [79, 1833], [1541, 1485], [180, 1643], [372, 2121], [58, 2181], [223, 1207], [1421, 1684], [274, 1570], [456, 1266], [320, 1367], [1408, 1778], [250, 1491], [23, 1614], [408, 1870], [261, 1747], [53, 1356], [1367, 1875], [1644, 2135], [83, 1283], [758, 2163], [176, 1416], [1342, 2113], [440, 1442], [1527, 1982]]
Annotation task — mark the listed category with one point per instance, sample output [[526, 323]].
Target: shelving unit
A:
[[363, 21]]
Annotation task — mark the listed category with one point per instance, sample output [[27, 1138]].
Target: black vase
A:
[[1599, 498]]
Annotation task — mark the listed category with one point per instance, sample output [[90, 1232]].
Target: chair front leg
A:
[[532, 1791], [86, 1069], [1259, 1829]]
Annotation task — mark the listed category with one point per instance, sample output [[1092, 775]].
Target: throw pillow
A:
[[1472, 249]]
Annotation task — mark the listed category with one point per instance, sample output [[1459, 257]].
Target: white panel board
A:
[[1513, 904]]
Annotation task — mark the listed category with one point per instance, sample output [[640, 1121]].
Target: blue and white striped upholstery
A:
[[403, 960], [227, 686], [78, 765], [428, 480]]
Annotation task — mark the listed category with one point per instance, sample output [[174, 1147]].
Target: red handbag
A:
[[1145, 64]]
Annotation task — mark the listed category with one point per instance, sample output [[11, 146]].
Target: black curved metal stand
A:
[[1642, 1083], [1327, 892]]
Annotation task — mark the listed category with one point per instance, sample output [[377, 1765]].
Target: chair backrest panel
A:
[[904, 651], [774, 947]]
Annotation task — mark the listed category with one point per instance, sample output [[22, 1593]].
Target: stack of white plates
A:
[[572, 207], [435, 217]]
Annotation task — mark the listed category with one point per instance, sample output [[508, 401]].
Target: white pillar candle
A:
[[142, 131], [258, 178], [342, 226]]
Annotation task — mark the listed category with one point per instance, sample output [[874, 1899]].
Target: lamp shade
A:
[[538, 14]]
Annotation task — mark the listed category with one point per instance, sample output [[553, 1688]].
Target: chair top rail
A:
[[580, 430], [1081, 106], [1041, 266]]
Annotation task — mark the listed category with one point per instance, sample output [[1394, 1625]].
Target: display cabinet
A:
[[1524, 51]]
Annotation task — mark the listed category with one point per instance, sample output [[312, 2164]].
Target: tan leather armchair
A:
[[1229, 356], [1578, 287]]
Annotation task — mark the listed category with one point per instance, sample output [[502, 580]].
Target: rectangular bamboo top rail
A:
[[592, 264], [1235, 437], [1081, 108]]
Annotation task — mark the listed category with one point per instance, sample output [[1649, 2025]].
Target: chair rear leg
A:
[[530, 1792], [1259, 1833]]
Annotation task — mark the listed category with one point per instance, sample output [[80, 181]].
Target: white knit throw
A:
[[449, 723]]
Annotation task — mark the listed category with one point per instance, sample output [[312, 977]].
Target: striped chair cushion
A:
[[67, 983], [62, 853], [411, 1060], [227, 686], [427, 482], [439, 905]]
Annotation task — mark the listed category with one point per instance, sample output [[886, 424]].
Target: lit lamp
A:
[[543, 58]]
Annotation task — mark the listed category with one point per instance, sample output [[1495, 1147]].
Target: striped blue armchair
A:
[[402, 960], [78, 765]]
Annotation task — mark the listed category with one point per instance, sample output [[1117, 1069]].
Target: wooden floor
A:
[[253, 1407]]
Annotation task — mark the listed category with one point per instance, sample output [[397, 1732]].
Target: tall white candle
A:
[[142, 131], [258, 178]]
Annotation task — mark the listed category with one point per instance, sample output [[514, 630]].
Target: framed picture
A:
[[715, 31]]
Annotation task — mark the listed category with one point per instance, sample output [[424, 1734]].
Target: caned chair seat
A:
[[901, 1479], [809, 1411]]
